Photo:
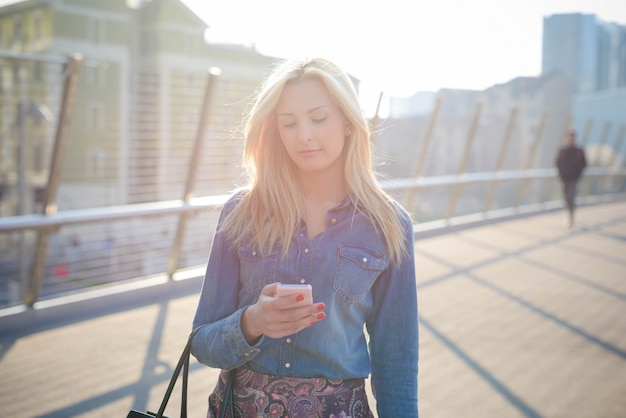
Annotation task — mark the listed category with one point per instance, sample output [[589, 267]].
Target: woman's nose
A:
[[305, 133]]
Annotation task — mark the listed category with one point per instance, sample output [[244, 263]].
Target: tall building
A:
[[591, 53], [611, 56]]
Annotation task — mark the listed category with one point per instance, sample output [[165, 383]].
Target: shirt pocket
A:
[[256, 270], [357, 270]]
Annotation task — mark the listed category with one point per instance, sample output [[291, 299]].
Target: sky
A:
[[401, 47]]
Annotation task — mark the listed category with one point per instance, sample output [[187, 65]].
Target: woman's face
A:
[[312, 128]]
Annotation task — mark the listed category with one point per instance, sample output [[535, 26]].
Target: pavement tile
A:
[[517, 319]]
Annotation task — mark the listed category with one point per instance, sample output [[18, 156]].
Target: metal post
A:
[[613, 157], [22, 184], [587, 132], [466, 154], [196, 153], [425, 145], [380, 99], [377, 114], [72, 70], [500, 160], [531, 157], [617, 154], [376, 118], [595, 159]]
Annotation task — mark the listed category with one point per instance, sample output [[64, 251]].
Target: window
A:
[[90, 72], [96, 31], [95, 117], [147, 42], [102, 74], [190, 119], [37, 32], [96, 163], [38, 165], [96, 73], [16, 73], [9, 76], [191, 80], [37, 72], [17, 30]]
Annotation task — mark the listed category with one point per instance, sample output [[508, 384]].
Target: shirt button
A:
[[306, 250], [287, 365], [303, 281], [333, 221], [288, 340], [365, 259], [253, 252]]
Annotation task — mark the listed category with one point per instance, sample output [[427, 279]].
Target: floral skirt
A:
[[259, 395]]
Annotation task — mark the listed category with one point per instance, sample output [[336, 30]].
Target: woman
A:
[[312, 214]]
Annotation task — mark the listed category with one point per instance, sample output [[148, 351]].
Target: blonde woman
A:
[[313, 213]]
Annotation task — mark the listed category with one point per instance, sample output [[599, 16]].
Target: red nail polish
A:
[[321, 315], [314, 322], [321, 307], [300, 298]]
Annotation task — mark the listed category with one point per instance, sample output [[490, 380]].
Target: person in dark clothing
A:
[[570, 163]]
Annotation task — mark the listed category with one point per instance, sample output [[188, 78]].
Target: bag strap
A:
[[183, 401], [183, 363], [227, 403]]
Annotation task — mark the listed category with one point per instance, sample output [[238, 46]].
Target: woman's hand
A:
[[278, 317]]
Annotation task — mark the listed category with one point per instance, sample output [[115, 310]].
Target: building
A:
[[142, 80], [611, 56], [419, 103], [600, 120], [538, 108], [590, 52], [530, 96], [581, 87]]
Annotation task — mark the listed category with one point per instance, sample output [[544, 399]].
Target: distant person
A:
[[570, 162], [315, 214]]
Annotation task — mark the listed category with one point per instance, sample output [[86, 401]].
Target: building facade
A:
[[137, 110], [143, 75], [590, 52], [476, 122]]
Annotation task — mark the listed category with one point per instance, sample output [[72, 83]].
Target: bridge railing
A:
[[146, 242], [57, 249]]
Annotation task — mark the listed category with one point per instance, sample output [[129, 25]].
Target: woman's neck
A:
[[321, 192], [323, 189]]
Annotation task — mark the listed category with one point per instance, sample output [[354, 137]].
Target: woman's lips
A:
[[308, 152]]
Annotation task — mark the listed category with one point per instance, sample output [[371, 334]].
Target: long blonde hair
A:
[[270, 209]]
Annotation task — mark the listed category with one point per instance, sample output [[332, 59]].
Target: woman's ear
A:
[[348, 130]]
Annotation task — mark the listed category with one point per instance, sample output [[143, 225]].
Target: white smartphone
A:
[[294, 289]]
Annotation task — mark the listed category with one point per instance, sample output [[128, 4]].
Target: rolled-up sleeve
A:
[[220, 342], [394, 337]]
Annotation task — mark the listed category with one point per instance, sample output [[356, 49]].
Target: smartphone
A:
[[296, 289]]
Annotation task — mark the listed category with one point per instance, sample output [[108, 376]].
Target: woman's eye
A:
[[319, 120], [289, 125]]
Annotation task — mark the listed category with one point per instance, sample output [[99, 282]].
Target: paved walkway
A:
[[524, 318]]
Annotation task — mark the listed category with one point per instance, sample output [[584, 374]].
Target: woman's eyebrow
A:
[[316, 108], [309, 111]]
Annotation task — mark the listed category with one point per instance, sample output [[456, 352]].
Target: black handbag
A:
[[183, 363]]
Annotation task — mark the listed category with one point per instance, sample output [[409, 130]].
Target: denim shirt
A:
[[349, 269]]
